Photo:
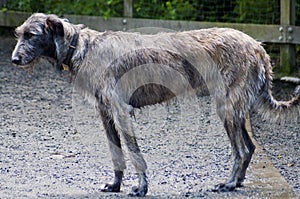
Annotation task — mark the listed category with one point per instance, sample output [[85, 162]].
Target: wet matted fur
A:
[[120, 71]]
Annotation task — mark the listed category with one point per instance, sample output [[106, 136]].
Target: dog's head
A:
[[39, 36]]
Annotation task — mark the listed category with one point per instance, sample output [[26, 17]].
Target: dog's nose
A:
[[16, 60]]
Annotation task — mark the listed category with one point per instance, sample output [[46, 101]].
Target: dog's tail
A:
[[279, 111]]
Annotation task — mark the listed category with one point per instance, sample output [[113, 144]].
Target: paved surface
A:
[[52, 145]]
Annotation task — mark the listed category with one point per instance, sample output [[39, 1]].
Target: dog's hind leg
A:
[[124, 126], [248, 154], [115, 149], [242, 148]]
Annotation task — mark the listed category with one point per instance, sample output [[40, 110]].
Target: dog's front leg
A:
[[115, 149], [124, 126]]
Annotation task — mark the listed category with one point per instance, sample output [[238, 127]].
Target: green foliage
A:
[[244, 11], [205, 10], [110, 8], [218, 10], [161, 9], [258, 11], [297, 12]]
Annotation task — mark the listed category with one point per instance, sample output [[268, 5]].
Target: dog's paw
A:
[[224, 187], [139, 191], [111, 188]]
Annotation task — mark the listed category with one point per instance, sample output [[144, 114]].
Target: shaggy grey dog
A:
[[121, 71]]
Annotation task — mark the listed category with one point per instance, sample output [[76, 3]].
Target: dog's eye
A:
[[28, 35]]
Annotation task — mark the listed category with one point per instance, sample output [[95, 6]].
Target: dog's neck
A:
[[67, 63]]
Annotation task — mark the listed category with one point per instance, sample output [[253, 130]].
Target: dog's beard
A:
[[50, 60], [28, 66], [31, 65]]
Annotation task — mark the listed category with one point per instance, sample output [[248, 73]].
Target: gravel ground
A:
[[49, 149]]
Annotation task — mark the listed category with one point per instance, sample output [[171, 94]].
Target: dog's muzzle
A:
[[16, 59]]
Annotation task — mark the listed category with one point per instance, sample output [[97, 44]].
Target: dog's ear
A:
[[54, 24]]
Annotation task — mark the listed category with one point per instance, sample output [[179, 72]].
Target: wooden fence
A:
[[287, 35]]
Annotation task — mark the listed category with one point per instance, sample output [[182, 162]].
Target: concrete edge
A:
[[265, 175]]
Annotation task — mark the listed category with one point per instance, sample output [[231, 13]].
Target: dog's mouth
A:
[[28, 65]]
